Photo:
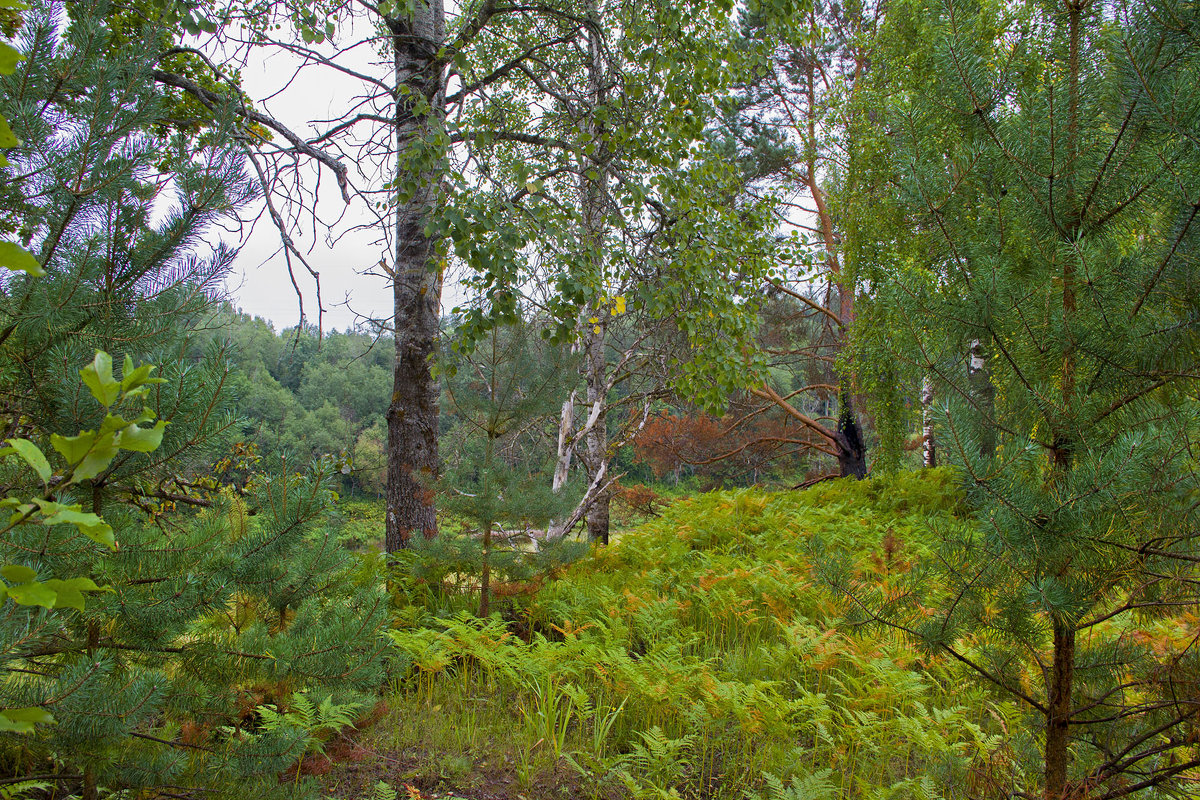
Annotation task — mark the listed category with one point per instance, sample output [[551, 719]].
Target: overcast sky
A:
[[259, 284]]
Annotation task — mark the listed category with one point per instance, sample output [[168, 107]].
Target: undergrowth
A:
[[698, 657]]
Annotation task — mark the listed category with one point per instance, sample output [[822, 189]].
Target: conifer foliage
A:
[[1044, 164], [205, 602]]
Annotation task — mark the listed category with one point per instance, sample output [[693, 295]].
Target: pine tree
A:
[[217, 599], [502, 396], [1040, 264], [792, 127]]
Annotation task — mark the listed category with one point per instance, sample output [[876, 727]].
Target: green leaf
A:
[[34, 714], [7, 726], [98, 377], [147, 415], [22, 720], [88, 524], [7, 137], [33, 594], [70, 592], [17, 258], [16, 573], [113, 424], [132, 378], [73, 448], [9, 57], [19, 509], [89, 452], [97, 460], [35, 458], [141, 440]]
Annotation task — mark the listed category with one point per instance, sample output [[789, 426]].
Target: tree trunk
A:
[[597, 435], [928, 445], [597, 519], [979, 380], [594, 192], [851, 452], [566, 422], [1058, 708], [413, 413], [562, 464], [1062, 671], [485, 575]]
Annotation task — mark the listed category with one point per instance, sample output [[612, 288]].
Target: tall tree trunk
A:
[[928, 444], [979, 381], [1062, 670], [594, 222], [597, 436], [413, 413], [1058, 710], [851, 449], [851, 452]]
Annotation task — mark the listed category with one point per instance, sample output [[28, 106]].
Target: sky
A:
[[259, 283]]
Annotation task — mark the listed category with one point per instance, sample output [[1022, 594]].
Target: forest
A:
[[776, 400]]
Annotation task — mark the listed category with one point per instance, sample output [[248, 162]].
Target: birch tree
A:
[[639, 247]]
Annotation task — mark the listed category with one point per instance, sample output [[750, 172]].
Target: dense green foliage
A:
[[1039, 264], [301, 395], [1005, 202], [702, 655], [206, 598]]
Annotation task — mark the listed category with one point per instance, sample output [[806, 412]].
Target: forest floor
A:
[[698, 655], [708, 654], [419, 752]]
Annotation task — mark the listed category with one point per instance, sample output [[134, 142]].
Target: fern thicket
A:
[[705, 652]]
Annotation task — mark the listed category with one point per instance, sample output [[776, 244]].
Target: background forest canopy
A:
[[818, 418]]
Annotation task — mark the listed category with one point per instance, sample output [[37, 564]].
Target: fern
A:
[[660, 764], [707, 621], [813, 786], [22, 789], [382, 791], [318, 722]]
